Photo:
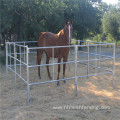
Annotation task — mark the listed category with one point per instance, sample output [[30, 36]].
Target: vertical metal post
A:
[[24, 52], [20, 58], [15, 65], [88, 58], [96, 60], [69, 34], [53, 62], [41, 69], [76, 79], [7, 60], [99, 54], [113, 66], [69, 63], [27, 62], [10, 54]]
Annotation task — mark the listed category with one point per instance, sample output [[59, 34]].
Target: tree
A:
[[110, 23], [86, 18], [119, 3], [27, 18], [103, 8]]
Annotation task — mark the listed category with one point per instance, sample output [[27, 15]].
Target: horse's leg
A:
[[64, 66], [47, 62], [59, 60], [39, 57]]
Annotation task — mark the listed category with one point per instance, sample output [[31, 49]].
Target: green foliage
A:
[[103, 7], [27, 18], [118, 43], [111, 24], [97, 38], [86, 19], [110, 39]]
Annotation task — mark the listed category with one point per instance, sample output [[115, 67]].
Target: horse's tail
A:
[[39, 35], [37, 58], [37, 49]]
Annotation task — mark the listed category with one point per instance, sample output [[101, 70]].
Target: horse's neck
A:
[[63, 36]]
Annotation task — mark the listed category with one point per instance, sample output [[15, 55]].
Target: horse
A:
[[62, 38]]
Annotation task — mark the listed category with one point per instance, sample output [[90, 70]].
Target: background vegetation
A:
[[93, 19]]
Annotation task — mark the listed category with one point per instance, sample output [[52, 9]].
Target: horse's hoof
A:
[[58, 84], [64, 81], [39, 77], [50, 78]]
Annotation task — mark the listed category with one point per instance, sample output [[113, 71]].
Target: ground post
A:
[[15, 65], [7, 60], [27, 66], [88, 58], [113, 66], [76, 79]]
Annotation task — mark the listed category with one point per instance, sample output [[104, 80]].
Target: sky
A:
[[110, 1]]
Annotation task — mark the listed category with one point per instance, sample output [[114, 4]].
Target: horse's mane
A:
[[62, 32]]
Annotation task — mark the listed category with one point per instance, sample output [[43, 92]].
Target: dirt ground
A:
[[51, 102]]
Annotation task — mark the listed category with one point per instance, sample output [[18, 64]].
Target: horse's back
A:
[[47, 39]]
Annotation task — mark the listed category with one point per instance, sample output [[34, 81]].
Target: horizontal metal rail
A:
[[98, 54], [69, 46], [72, 40], [16, 53], [21, 77], [17, 65], [24, 46], [10, 69], [68, 62], [17, 75], [17, 60], [90, 41], [95, 74], [103, 68], [78, 52], [22, 42], [20, 53], [52, 81], [68, 78]]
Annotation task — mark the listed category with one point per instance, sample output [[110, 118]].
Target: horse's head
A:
[[68, 29]]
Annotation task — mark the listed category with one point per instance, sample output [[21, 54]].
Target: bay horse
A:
[[62, 38]]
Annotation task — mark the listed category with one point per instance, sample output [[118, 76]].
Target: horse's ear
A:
[[66, 21], [71, 21]]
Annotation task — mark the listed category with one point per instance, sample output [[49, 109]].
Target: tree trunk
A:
[[116, 41], [80, 48]]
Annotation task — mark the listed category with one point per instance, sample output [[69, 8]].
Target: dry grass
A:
[[94, 91]]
